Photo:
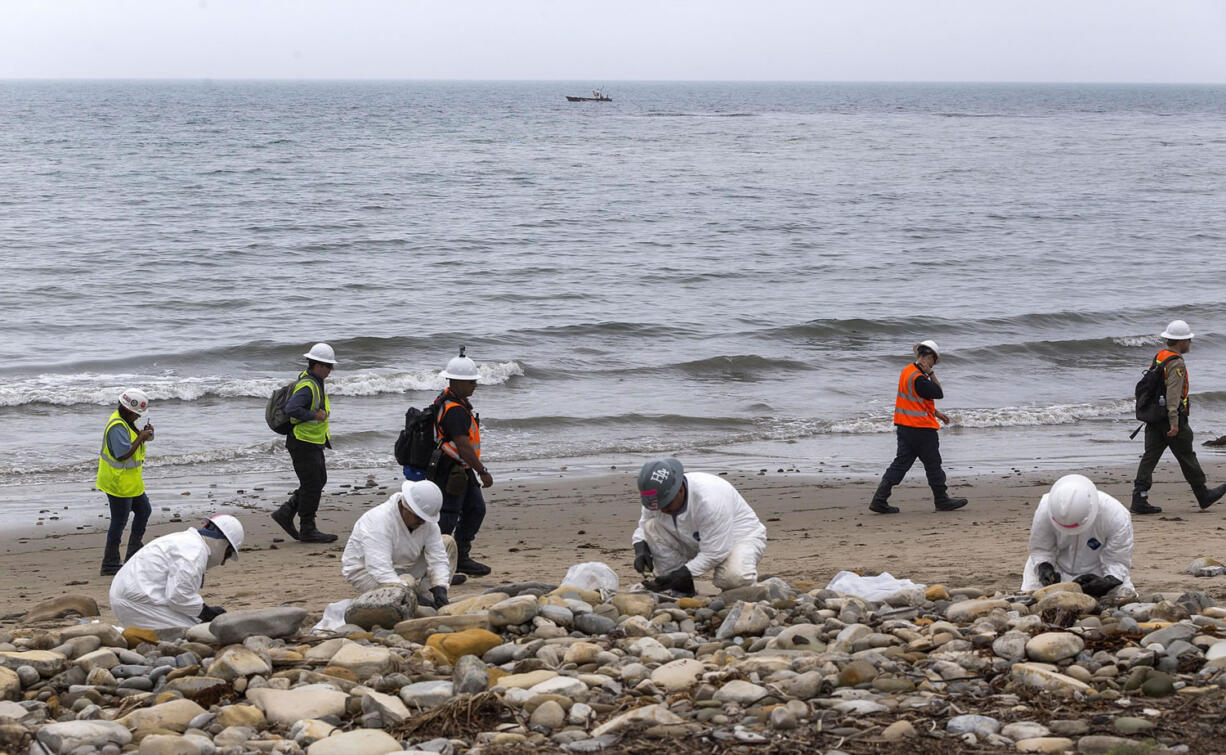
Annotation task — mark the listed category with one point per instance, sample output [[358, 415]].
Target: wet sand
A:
[[535, 530]]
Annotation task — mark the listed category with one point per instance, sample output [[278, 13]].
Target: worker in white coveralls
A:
[[692, 524], [158, 587], [1080, 534], [398, 542]]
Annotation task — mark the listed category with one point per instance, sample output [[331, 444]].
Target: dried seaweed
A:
[[459, 718]]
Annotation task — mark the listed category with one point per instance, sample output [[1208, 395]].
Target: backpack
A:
[[416, 443], [274, 412], [1151, 393]]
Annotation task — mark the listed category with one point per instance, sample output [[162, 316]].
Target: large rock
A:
[[744, 620], [45, 662], [66, 736], [741, 692], [526, 679], [678, 675], [966, 610], [240, 715], [236, 661], [282, 621], [10, 684], [800, 637], [1044, 677], [109, 635], [173, 716], [285, 706], [470, 676], [562, 686], [1011, 645], [456, 645], [1167, 635], [650, 715], [1065, 600], [417, 630], [426, 694], [514, 611], [390, 709], [634, 603], [383, 606], [65, 605], [1050, 647], [169, 744], [356, 742], [473, 604], [101, 658], [364, 660], [594, 624]]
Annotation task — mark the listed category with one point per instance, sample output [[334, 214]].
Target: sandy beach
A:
[[535, 530]]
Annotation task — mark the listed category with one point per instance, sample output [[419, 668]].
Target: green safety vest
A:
[[121, 479], [312, 431]]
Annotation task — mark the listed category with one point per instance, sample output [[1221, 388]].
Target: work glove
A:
[[642, 557], [440, 596], [679, 579], [1092, 584], [1048, 574], [208, 613]]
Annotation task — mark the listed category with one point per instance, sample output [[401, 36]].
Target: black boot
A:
[[110, 561], [1206, 497], [458, 579], [880, 497], [942, 501], [133, 547], [311, 535], [465, 564], [1141, 505], [284, 517]]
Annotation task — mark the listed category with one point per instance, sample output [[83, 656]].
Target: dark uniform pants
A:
[[923, 443], [462, 515], [1156, 442], [308, 461]]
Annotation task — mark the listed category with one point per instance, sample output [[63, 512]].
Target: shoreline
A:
[[816, 526]]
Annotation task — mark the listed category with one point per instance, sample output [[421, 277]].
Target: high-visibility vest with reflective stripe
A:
[[474, 431], [1164, 355], [312, 431], [121, 479], [909, 409]]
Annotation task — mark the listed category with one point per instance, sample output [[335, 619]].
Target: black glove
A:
[[208, 613], [679, 579], [440, 596], [1084, 579], [642, 557], [1048, 574], [1098, 586]]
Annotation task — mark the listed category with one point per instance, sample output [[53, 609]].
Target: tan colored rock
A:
[[634, 603], [65, 605], [678, 675], [45, 662], [936, 592], [285, 706], [1050, 647], [526, 680], [101, 658], [1045, 744], [323, 652], [356, 742], [455, 645], [168, 744], [966, 610], [363, 660], [514, 611], [10, 684], [172, 716], [236, 661], [1075, 602], [134, 636], [240, 715], [1046, 590], [648, 715], [1045, 677], [591, 597], [580, 653], [475, 603], [898, 731], [109, 635], [417, 630]]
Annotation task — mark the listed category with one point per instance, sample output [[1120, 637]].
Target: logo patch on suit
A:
[[1094, 544]]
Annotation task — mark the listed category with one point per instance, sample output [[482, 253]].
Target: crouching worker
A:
[[1081, 535], [692, 524], [159, 586], [398, 542]]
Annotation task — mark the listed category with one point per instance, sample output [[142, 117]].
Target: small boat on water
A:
[[598, 95]]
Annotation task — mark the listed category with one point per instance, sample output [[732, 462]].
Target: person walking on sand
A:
[[915, 421], [309, 409], [694, 523], [459, 471], [398, 542], [160, 587], [120, 475], [1173, 431], [1080, 534]]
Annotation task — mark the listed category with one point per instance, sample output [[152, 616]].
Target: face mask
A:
[[217, 551]]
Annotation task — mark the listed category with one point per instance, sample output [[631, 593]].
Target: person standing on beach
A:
[[398, 542], [1173, 431], [691, 524], [915, 421], [1080, 534], [160, 587], [309, 409], [459, 472], [120, 475]]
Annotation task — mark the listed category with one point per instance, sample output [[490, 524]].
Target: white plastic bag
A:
[[876, 589], [334, 617], [592, 575]]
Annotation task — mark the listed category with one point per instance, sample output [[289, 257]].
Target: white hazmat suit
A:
[[382, 550], [1103, 549], [716, 530], [159, 586]]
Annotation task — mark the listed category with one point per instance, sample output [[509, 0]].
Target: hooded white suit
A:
[[716, 530], [159, 586], [1104, 548], [381, 550]]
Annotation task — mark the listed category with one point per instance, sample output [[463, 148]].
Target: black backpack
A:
[[274, 412], [416, 443], [1151, 393]]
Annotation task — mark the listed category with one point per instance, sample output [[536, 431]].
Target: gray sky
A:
[[815, 40]]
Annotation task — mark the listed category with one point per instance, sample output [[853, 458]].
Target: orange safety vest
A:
[[474, 430], [1164, 355], [909, 409]]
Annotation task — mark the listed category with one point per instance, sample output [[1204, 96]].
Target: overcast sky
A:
[[806, 40]]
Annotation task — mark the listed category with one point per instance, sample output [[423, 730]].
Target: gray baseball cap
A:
[[659, 481]]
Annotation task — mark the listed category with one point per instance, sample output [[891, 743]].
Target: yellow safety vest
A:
[[312, 431], [121, 479]]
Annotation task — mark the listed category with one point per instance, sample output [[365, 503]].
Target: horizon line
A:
[[207, 79]]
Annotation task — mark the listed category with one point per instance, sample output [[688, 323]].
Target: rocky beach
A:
[[519, 660]]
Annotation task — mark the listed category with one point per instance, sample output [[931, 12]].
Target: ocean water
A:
[[734, 273]]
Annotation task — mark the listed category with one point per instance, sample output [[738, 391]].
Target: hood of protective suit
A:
[[217, 550]]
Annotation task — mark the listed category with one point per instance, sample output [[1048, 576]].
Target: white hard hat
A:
[[461, 368], [321, 352], [1073, 503], [423, 498], [929, 344], [231, 528], [134, 400], [1178, 330]]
